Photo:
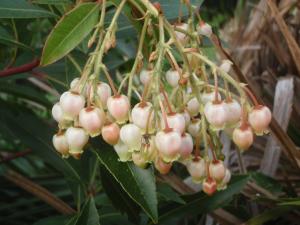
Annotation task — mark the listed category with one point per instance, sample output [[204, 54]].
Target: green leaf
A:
[[267, 182], [269, 215], [52, 2], [57, 220], [138, 183], [119, 198], [88, 215], [201, 203], [36, 135], [70, 31], [168, 194], [7, 39], [21, 9]]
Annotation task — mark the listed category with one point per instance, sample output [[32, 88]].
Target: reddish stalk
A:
[[166, 99], [15, 156], [216, 101], [244, 124], [197, 150], [167, 128], [144, 94], [20, 69], [111, 83], [148, 121], [252, 97], [212, 149]]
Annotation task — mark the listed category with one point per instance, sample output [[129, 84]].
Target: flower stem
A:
[[139, 56]]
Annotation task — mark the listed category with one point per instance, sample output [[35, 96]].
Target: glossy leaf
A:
[[119, 198], [201, 203], [269, 215], [7, 39], [70, 31], [21, 9], [88, 215], [138, 183]]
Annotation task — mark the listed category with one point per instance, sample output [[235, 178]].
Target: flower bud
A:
[[92, 120], [140, 115], [172, 77], [208, 97], [168, 144], [60, 144], [71, 104], [216, 115], [104, 92], [260, 118], [204, 29], [118, 107], [209, 186], [122, 151], [145, 76], [162, 166], [194, 127], [193, 106], [234, 112], [243, 137], [186, 147], [111, 133], [131, 135], [179, 35], [175, 121], [197, 169], [139, 159], [57, 113], [217, 170], [226, 65], [77, 139]]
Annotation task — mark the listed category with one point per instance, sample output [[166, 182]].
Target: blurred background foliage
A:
[[38, 187]]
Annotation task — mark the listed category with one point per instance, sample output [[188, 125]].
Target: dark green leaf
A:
[[70, 31], [88, 215], [168, 194], [201, 203], [21, 9], [269, 215], [119, 197], [138, 183], [51, 2], [7, 39]]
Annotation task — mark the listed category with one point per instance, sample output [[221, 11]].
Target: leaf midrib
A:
[[60, 44]]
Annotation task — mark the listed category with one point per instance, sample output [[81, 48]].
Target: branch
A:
[[14, 156], [39, 192], [20, 69]]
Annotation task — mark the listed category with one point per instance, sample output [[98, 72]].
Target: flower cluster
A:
[[181, 108]]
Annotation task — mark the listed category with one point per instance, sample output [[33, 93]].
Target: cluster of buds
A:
[[180, 112]]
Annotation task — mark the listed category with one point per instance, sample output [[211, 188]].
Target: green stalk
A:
[[139, 56], [99, 55]]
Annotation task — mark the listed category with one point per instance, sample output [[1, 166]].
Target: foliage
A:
[[98, 188]]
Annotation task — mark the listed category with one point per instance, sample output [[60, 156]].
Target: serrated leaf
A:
[[138, 183], [70, 31], [87, 216], [201, 203], [119, 198], [7, 39], [21, 9], [52, 2]]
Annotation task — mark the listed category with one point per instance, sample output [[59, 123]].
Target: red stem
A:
[[111, 84], [14, 156], [251, 95], [167, 128], [166, 99], [212, 149], [20, 69], [217, 101], [197, 150]]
